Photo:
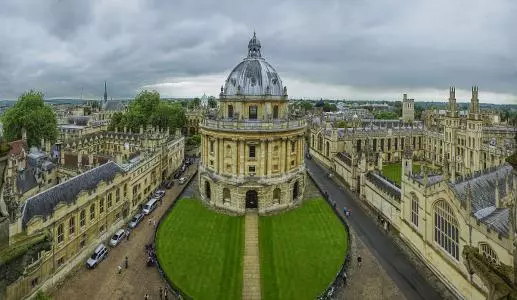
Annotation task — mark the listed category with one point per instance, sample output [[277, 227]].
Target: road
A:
[[104, 282], [392, 259]]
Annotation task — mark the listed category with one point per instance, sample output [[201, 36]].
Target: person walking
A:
[[359, 261], [150, 221], [126, 262], [344, 210], [154, 223], [161, 293], [119, 269], [165, 293], [146, 296]]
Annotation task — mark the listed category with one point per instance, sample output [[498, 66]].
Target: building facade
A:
[[90, 199], [456, 209], [251, 152]]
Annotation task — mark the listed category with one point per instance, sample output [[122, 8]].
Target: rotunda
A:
[[251, 151]]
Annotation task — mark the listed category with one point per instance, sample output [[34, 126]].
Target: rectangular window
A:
[[60, 235], [109, 200], [82, 218], [251, 169], [71, 226], [253, 112], [101, 206], [60, 261], [251, 151], [212, 146], [293, 146], [92, 212]]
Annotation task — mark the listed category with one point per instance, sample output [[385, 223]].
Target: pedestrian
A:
[[161, 293], [165, 293], [359, 261], [350, 210], [344, 210], [119, 269], [347, 213], [150, 221], [146, 296], [154, 223], [126, 262]]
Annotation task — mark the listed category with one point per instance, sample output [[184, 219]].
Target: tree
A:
[[148, 109], [31, 114], [329, 107], [194, 141], [212, 103], [306, 105], [194, 103], [386, 115]]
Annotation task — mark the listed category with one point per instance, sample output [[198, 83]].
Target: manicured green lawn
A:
[[393, 171], [201, 251], [301, 251]]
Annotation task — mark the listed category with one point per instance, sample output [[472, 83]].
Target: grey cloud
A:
[[62, 47]]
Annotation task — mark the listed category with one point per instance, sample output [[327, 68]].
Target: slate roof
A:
[[44, 203], [385, 184], [483, 188], [113, 105], [26, 179]]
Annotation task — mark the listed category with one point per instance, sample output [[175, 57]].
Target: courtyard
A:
[[393, 171]]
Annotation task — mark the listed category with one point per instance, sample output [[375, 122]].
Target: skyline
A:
[[350, 50]]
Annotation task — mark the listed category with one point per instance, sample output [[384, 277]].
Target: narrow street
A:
[[104, 282], [395, 263]]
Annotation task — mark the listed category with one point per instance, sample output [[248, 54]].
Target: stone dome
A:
[[253, 76]]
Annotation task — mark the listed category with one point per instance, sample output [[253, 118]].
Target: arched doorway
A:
[[251, 199], [295, 191], [207, 190]]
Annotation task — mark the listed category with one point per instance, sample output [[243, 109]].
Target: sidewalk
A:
[[251, 269], [133, 283]]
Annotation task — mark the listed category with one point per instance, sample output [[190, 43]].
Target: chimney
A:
[[90, 160], [24, 134]]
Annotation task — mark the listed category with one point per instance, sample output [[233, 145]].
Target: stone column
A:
[[283, 157], [263, 154], [286, 155], [269, 157], [242, 155]]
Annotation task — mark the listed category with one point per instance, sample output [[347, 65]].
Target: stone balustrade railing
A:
[[252, 125]]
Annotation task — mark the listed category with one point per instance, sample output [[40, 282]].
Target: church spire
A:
[[105, 92]]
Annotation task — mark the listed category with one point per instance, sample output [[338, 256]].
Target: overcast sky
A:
[[359, 49]]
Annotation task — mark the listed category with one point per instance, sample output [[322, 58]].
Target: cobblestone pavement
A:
[[104, 282], [251, 261]]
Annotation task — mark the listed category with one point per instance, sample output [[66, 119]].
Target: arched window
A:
[[295, 190], [226, 195], [320, 142], [446, 233], [230, 111], [60, 235], [71, 226], [328, 149], [488, 252], [414, 210], [276, 195], [275, 112], [101, 206], [208, 193]]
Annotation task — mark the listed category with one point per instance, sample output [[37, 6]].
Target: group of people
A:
[[151, 254], [163, 294]]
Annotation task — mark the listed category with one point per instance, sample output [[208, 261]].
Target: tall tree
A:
[[30, 113]]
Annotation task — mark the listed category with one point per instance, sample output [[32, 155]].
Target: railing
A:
[[253, 124]]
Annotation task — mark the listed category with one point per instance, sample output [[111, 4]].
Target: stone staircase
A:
[[251, 270]]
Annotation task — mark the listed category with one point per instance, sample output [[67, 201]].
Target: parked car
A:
[[159, 194], [135, 220], [182, 180], [98, 255], [169, 184], [150, 206], [117, 237]]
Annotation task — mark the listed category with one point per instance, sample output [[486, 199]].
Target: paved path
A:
[[251, 269], [103, 282], [392, 259]]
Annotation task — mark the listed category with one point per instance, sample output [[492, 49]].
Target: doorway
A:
[[295, 191], [251, 199]]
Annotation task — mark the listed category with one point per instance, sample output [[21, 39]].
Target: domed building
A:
[[252, 153]]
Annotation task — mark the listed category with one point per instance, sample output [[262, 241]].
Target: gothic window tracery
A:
[[446, 232]]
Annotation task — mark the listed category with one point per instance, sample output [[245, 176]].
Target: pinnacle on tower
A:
[[105, 92]]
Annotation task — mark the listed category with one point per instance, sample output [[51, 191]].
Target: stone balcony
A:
[[253, 125], [246, 179]]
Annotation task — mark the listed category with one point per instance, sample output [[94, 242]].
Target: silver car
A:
[[98, 255], [117, 237], [135, 220]]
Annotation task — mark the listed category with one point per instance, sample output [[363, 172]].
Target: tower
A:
[[474, 104], [105, 92], [408, 109], [474, 136], [453, 109]]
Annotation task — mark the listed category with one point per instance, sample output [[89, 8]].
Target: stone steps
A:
[[251, 269]]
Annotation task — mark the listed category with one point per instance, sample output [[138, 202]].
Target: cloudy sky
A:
[[353, 49]]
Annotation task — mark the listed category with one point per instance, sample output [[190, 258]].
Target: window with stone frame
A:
[[253, 112], [60, 233], [101, 205], [226, 195], [414, 210], [92, 212], [488, 253], [275, 112], [293, 146], [117, 195], [82, 218], [212, 143], [251, 169], [446, 232], [230, 111], [251, 151], [110, 202], [276, 195], [71, 226]]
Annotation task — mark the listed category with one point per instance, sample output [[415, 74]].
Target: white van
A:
[[150, 206]]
